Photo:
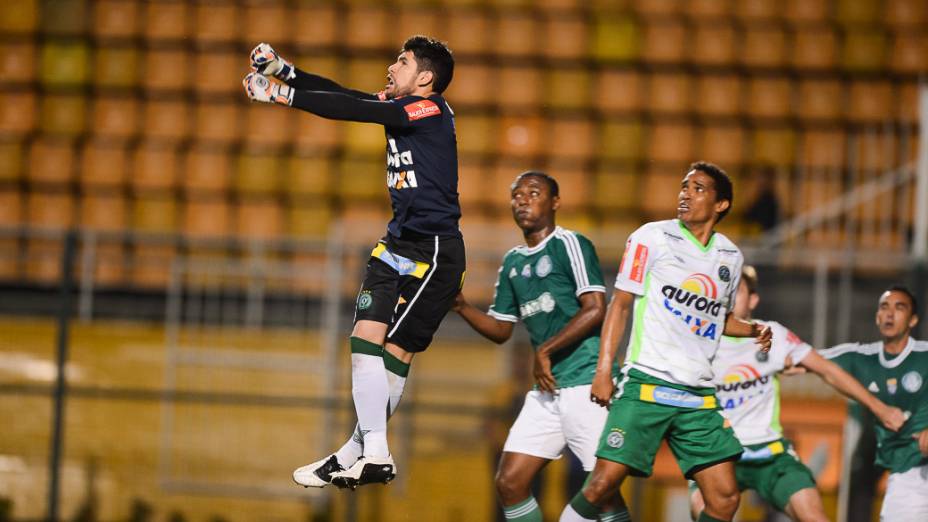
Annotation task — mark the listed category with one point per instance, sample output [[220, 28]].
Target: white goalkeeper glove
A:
[[259, 88], [266, 61]]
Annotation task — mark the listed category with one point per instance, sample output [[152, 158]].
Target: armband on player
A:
[[266, 61], [259, 88]]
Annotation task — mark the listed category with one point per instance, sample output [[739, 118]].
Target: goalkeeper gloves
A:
[[266, 61], [259, 88]]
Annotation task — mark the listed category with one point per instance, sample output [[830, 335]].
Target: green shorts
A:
[[773, 470], [650, 409]]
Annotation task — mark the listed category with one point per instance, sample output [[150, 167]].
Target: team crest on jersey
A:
[[616, 438], [892, 385], [527, 271], [912, 382], [762, 356], [724, 273], [365, 300], [543, 266]]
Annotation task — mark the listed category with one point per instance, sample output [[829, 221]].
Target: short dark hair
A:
[[723, 188], [904, 290], [749, 276], [550, 181], [432, 55]]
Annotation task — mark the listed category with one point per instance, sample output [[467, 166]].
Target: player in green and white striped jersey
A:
[[554, 285]]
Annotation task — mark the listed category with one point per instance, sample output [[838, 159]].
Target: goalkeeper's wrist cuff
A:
[[282, 94], [286, 71]]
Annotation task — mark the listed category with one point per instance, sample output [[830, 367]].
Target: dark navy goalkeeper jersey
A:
[[422, 169]]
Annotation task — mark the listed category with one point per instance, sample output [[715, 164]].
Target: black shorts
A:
[[410, 285]]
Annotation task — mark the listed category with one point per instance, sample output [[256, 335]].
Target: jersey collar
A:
[[897, 360], [525, 250], [689, 235]]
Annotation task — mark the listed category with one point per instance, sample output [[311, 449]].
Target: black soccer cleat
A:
[[367, 470]]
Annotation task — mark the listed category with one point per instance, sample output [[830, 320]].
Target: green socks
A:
[[525, 511]]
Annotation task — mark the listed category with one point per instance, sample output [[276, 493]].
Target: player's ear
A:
[[722, 205], [913, 321], [425, 78], [556, 202], [753, 300]]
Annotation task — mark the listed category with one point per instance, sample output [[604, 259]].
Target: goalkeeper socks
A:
[[371, 392], [397, 371], [620, 515], [525, 511], [703, 517], [579, 510]]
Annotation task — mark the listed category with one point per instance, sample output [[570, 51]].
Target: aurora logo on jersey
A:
[[741, 382], [697, 293]]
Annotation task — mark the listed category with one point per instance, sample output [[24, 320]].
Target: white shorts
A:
[[906, 497], [550, 421]]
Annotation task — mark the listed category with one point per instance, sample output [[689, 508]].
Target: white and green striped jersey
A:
[[897, 381], [747, 383], [541, 286], [684, 290]]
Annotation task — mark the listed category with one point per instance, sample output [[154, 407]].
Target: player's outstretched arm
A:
[[891, 417], [613, 329], [489, 327], [267, 62], [331, 105], [735, 327], [590, 316]]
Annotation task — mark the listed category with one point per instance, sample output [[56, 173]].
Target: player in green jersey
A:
[[553, 284], [681, 278], [895, 370]]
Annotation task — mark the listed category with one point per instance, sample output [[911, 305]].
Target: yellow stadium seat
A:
[[51, 160], [11, 160], [309, 175], [823, 148], [18, 16], [907, 102], [516, 34], [367, 74], [364, 138], [258, 173], [166, 20], [115, 117], [905, 13], [410, 19], [806, 11], [166, 119], [215, 22], [64, 64], [660, 186], [154, 214], [476, 134], [369, 27], [718, 94], [857, 12], [151, 265], [314, 134], [472, 84], [619, 90], [207, 218], [615, 188], [875, 152], [103, 212], [115, 18], [615, 38], [268, 126], [63, 114], [103, 164], [219, 122], [707, 9], [309, 218], [819, 99], [154, 168], [658, 8], [864, 50], [721, 144], [50, 210], [671, 142], [573, 139], [17, 62], [774, 146], [763, 46], [664, 41], [565, 37], [497, 183], [360, 178], [814, 48], [669, 92], [870, 101], [713, 43], [316, 25], [578, 219], [909, 53], [620, 139], [17, 112], [271, 23], [758, 10], [520, 136], [769, 97], [567, 89], [116, 66], [161, 72], [206, 170], [574, 184], [64, 17], [224, 71], [43, 261], [259, 219], [470, 32], [518, 87], [11, 210], [472, 187]]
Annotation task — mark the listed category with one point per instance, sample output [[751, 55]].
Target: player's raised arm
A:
[[614, 326], [267, 62], [891, 417]]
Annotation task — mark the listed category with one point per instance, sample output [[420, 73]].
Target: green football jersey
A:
[[542, 287], [897, 381]]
